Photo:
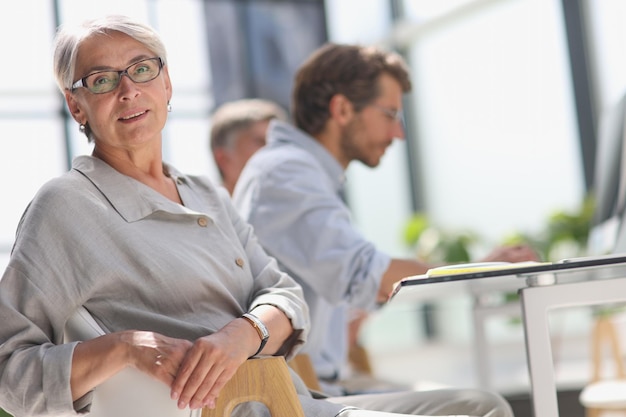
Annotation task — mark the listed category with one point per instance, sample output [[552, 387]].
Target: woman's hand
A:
[[195, 372], [211, 362], [96, 360], [155, 354]]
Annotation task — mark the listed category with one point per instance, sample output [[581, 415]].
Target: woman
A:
[[160, 259], [131, 239]]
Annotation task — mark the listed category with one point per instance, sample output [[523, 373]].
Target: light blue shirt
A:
[[291, 192]]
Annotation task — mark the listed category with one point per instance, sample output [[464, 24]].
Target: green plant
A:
[[437, 245], [564, 234]]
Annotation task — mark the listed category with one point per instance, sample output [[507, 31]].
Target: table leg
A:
[[482, 311], [539, 352], [536, 304]]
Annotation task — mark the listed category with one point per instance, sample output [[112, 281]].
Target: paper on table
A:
[[479, 266]]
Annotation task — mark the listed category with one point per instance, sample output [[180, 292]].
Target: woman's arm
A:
[[213, 360], [96, 360]]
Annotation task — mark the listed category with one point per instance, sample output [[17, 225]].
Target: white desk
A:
[[584, 282], [482, 292], [537, 301]]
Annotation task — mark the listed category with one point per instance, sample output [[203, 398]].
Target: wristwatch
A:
[[258, 325]]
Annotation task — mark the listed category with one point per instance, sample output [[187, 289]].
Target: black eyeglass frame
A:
[[82, 82]]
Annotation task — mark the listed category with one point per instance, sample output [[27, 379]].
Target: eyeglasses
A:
[[394, 114], [105, 81]]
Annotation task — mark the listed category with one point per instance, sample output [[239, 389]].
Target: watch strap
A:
[[258, 325]]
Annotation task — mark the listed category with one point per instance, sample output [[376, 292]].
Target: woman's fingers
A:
[[203, 373]]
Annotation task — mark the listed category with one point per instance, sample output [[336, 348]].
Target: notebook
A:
[[461, 272]]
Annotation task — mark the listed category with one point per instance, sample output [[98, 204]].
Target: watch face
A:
[[264, 332], [258, 325]]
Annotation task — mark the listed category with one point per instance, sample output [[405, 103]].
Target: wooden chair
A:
[[266, 380], [360, 360], [131, 393], [301, 363], [604, 394]]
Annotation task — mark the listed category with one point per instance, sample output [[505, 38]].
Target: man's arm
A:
[[398, 269], [402, 268]]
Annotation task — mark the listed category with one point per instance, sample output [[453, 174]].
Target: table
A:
[[482, 292], [545, 286]]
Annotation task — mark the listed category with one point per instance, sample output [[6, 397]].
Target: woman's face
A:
[[133, 114]]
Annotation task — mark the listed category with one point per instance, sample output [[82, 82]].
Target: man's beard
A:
[[348, 143]]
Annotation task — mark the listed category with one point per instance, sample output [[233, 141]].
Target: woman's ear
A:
[[341, 109], [74, 107], [168, 83]]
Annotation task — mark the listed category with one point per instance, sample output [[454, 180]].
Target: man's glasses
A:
[[393, 114], [105, 81]]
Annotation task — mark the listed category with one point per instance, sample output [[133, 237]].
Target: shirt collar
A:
[[129, 197], [281, 133]]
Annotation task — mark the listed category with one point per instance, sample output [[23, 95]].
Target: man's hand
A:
[[517, 253]]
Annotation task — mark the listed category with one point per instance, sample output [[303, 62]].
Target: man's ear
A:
[[341, 109], [222, 159]]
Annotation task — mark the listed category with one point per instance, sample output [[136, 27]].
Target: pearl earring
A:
[[169, 107], [81, 128]]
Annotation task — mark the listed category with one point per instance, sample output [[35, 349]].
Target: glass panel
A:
[[186, 146], [31, 149], [420, 10], [608, 37], [257, 46], [75, 11], [187, 49], [495, 119], [372, 24], [28, 159], [25, 47]]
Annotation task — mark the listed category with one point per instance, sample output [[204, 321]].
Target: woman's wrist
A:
[[259, 328]]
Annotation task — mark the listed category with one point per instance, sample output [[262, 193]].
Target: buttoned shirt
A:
[[291, 192], [135, 260]]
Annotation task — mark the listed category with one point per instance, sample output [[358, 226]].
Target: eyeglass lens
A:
[[140, 72]]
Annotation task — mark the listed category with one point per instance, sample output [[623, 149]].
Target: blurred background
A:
[[503, 122]]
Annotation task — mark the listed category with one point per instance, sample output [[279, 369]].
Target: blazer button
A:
[[202, 222], [239, 262]]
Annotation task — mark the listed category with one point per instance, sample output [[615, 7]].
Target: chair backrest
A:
[[128, 393], [604, 333], [131, 393]]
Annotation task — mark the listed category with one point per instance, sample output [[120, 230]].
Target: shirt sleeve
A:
[[271, 285], [33, 360], [300, 219]]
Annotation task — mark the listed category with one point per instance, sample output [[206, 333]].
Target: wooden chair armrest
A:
[[264, 379]]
